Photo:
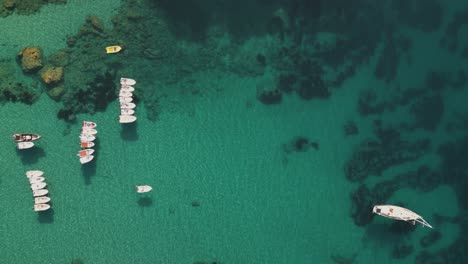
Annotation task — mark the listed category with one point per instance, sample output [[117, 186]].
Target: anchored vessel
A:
[[143, 188], [399, 213]]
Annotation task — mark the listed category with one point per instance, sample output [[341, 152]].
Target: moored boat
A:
[[143, 188], [87, 144], [124, 93], [127, 119], [85, 152], [113, 49], [87, 138], [25, 137], [38, 186], [127, 105], [127, 81], [41, 207], [88, 131], [34, 173], [127, 111], [40, 192], [41, 199], [125, 99], [86, 159], [88, 124], [127, 88], [399, 213], [25, 145], [36, 179]]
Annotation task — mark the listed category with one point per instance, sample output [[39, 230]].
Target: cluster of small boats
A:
[[127, 107], [87, 137], [25, 141], [38, 185]]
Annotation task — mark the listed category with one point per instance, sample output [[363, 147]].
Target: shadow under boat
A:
[[30, 156], [129, 131], [46, 217]]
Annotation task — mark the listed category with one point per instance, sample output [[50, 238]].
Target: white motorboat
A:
[[41, 199], [87, 144], [25, 137], [399, 213], [127, 111], [25, 145], [127, 105], [124, 93], [88, 131], [38, 186], [143, 188], [41, 207], [40, 192], [36, 179], [86, 159], [125, 99], [88, 124], [34, 173], [124, 119], [87, 138], [127, 81], [127, 88], [85, 152]]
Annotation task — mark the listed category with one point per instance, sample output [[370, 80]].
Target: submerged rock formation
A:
[[31, 59]]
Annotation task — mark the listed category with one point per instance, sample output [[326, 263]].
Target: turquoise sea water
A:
[[231, 181]]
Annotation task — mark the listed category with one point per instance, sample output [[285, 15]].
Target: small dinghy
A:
[[41, 199], [127, 81], [36, 179], [87, 138], [125, 99], [41, 207], [89, 124], [113, 49], [34, 173], [127, 88], [87, 144], [38, 186], [124, 93], [85, 152], [88, 131], [40, 192], [27, 137], [25, 145], [143, 188], [86, 159], [127, 111], [124, 119], [127, 105], [399, 213]]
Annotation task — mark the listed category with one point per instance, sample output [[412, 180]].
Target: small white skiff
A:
[[399, 213], [124, 93], [36, 179], [25, 145], [87, 138], [41, 199], [41, 207], [86, 159], [127, 81], [34, 173], [143, 188], [38, 186], [124, 119], [89, 124], [40, 192], [127, 88], [127, 105], [85, 152], [125, 99], [88, 131], [127, 111], [87, 144]]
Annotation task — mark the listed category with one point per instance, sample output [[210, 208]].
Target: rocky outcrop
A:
[[31, 59], [52, 75]]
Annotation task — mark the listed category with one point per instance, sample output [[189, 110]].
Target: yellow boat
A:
[[113, 49]]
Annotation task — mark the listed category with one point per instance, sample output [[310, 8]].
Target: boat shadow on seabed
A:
[[30, 156], [129, 132]]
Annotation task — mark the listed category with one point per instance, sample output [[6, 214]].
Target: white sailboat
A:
[[399, 213]]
